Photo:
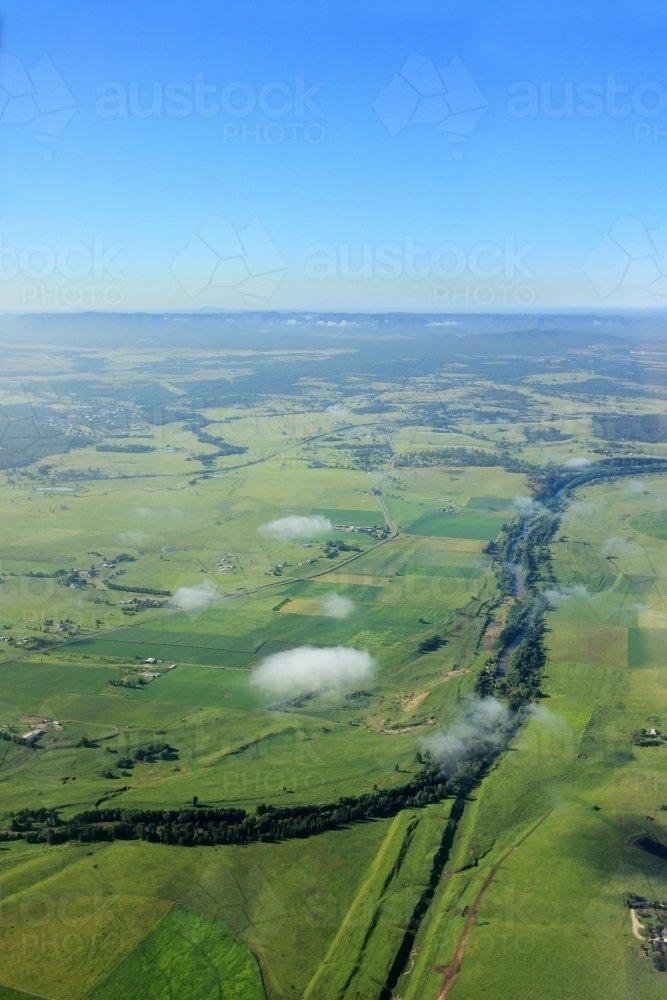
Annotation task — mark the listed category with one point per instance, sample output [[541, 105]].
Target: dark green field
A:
[[185, 955]]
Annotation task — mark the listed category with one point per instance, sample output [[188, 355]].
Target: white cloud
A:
[[559, 594], [636, 486], [295, 526], [306, 668], [199, 596], [134, 537], [337, 409], [621, 547], [480, 721], [525, 503], [584, 508], [577, 463], [337, 606], [544, 715]]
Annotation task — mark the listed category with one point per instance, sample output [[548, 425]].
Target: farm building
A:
[[32, 736]]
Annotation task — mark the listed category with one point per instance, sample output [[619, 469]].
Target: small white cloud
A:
[[295, 526], [621, 547], [337, 606], [557, 595], [337, 409], [544, 715], [636, 486], [584, 508], [527, 505], [134, 538], [577, 463], [306, 668], [481, 719], [192, 598]]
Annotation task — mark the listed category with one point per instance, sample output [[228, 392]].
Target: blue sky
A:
[[339, 156]]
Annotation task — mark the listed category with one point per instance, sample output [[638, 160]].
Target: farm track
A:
[[454, 966]]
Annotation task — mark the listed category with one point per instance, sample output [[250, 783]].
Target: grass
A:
[[358, 518], [654, 524], [583, 643], [171, 652], [73, 915], [361, 955], [187, 955], [473, 525], [647, 647], [491, 505]]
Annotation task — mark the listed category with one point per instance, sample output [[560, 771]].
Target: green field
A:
[[187, 955], [368, 910], [357, 518], [472, 525], [647, 647]]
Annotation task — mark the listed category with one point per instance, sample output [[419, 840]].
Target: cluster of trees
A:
[[534, 553], [136, 606], [643, 738], [138, 590], [224, 448], [129, 682], [515, 622], [502, 552], [10, 738], [649, 427], [552, 484], [524, 676], [448, 456], [131, 449], [156, 751], [430, 644], [533, 434], [149, 754], [526, 669], [331, 549], [466, 456]]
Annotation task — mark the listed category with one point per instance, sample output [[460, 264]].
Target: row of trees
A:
[[208, 826]]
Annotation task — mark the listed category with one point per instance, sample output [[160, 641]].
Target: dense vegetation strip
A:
[[200, 825]]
